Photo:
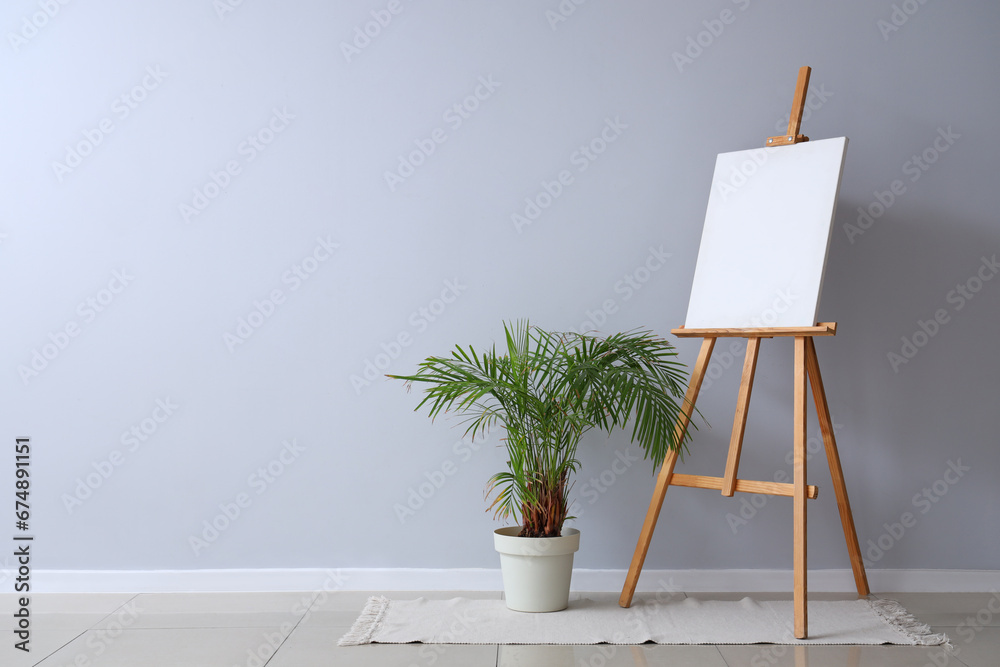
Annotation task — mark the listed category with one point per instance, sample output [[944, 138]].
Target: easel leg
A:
[[799, 497], [663, 480], [740, 420], [836, 472]]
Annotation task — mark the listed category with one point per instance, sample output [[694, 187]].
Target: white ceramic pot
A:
[[536, 570]]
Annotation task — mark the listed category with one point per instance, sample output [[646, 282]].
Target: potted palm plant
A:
[[547, 390]]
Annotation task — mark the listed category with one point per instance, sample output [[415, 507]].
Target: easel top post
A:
[[795, 117]]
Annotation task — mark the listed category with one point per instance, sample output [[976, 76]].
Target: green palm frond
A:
[[547, 390]]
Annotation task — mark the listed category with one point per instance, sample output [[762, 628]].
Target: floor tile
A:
[[318, 646], [55, 620], [329, 619], [63, 622], [239, 603], [951, 608], [314, 646], [44, 642], [190, 647], [69, 603], [608, 655], [975, 645], [774, 655], [215, 610]]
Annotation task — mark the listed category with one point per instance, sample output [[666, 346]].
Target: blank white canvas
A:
[[767, 232]]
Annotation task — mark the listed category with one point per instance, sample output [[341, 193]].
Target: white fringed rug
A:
[[684, 621]]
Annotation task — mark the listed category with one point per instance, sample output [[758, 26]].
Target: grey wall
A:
[[175, 253]]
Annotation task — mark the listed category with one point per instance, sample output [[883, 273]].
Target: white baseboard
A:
[[473, 579]]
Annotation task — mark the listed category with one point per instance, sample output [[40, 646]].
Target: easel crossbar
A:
[[742, 485]]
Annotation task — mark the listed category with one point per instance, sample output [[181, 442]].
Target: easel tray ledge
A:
[[821, 329]]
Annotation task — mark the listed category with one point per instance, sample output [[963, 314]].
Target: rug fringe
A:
[[897, 616], [368, 622]]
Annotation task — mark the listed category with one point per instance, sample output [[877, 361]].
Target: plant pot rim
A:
[[506, 541]]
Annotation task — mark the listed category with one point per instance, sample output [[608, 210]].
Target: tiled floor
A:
[[302, 629]]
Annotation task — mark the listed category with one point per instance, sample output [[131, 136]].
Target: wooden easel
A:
[[806, 365]]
